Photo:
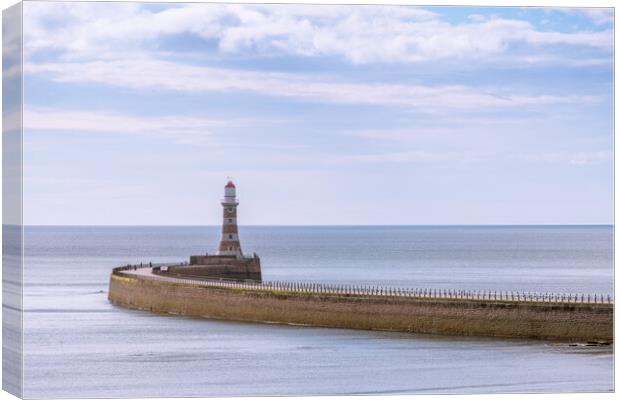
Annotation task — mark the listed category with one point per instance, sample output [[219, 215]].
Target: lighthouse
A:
[[229, 262], [229, 241]]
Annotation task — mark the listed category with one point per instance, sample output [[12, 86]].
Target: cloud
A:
[[446, 156], [448, 126], [12, 71], [476, 17], [573, 158], [360, 34], [166, 75], [12, 120], [180, 129], [411, 157], [599, 16]]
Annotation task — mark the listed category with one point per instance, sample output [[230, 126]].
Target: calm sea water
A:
[[78, 345]]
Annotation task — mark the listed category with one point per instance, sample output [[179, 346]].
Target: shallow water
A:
[[78, 345]]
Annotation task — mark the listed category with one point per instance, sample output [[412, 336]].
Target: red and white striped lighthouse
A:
[[229, 242]]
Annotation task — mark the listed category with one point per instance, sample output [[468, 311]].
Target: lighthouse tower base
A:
[[220, 267]]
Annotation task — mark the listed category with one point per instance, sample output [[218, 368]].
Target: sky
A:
[[137, 114]]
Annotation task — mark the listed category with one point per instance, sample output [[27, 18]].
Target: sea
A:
[[79, 345]]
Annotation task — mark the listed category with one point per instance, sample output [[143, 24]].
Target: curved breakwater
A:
[[576, 317]]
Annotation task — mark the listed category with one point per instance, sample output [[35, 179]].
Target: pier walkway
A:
[[311, 288]]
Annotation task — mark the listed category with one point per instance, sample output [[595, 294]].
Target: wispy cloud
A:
[[359, 34], [12, 120], [166, 75], [573, 158], [12, 71], [447, 157], [180, 129], [415, 156], [450, 126], [598, 15]]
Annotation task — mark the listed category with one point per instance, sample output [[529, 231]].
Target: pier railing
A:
[[366, 290]]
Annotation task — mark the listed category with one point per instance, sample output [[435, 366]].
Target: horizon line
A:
[[309, 225]]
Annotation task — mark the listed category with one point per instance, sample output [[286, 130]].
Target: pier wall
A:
[[226, 267], [554, 321]]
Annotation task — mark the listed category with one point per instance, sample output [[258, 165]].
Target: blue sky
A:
[[136, 113]]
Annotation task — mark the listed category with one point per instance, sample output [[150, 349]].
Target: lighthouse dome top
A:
[[230, 184]]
